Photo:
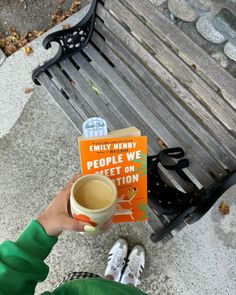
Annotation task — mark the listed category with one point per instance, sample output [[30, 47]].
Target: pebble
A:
[[206, 29], [182, 10], [230, 50], [221, 58], [201, 5], [225, 22]]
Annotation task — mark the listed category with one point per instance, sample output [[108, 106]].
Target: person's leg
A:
[[116, 260], [135, 266], [109, 278]]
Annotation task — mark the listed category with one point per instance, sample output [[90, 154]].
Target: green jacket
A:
[[22, 267]]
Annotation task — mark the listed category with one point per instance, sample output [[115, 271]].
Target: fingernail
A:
[[89, 228]]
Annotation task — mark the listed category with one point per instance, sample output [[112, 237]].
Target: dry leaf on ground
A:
[[27, 50], [10, 49], [15, 41], [58, 16], [28, 90], [23, 42], [223, 208]]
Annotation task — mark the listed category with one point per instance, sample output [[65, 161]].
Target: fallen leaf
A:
[[68, 13], [66, 27], [223, 208], [161, 143], [39, 33], [93, 86], [28, 90], [27, 50], [15, 41], [10, 49], [23, 42], [58, 16]]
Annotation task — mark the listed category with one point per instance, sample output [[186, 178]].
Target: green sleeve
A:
[[22, 263]]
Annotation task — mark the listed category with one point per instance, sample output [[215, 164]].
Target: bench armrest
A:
[[70, 41]]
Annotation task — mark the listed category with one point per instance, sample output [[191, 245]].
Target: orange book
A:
[[124, 160]]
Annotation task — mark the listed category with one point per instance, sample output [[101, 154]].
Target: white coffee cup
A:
[[93, 200]]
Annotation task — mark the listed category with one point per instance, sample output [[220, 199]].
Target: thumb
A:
[[76, 225]]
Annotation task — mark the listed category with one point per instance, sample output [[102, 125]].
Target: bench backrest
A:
[[139, 69]]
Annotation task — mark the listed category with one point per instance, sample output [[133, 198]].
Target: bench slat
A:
[[91, 97], [81, 106], [74, 93], [127, 117], [60, 99], [189, 102], [144, 114], [220, 149], [175, 65], [169, 122], [58, 79], [183, 46]]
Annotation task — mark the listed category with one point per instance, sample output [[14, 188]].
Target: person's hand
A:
[[56, 218]]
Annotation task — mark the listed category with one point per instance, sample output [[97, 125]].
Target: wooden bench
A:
[[129, 64]]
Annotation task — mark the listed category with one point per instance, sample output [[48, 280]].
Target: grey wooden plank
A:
[[77, 121], [198, 87], [105, 92], [90, 96], [74, 75], [111, 115], [220, 148], [89, 73], [62, 102], [178, 130], [187, 50], [79, 104], [185, 98], [144, 114], [128, 118]]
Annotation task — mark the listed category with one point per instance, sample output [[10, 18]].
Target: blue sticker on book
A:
[[95, 127]]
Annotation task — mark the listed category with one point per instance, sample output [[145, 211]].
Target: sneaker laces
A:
[[117, 260]]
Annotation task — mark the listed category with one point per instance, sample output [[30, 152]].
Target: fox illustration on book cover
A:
[[124, 160]]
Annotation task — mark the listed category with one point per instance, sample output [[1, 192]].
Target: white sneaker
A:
[[135, 266], [116, 259]]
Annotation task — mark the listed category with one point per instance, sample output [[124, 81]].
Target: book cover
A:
[[124, 160]]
